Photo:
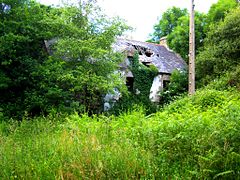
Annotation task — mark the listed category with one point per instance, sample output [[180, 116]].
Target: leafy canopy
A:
[[221, 48], [167, 23], [219, 10], [174, 24], [73, 73]]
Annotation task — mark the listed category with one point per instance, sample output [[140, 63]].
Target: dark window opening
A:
[[130, 59], [165, 83], [129, 83], [148, 53], [146, 64], [135, 47]]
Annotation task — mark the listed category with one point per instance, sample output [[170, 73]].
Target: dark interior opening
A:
[[130, 58], [148, 53], [129, 83], [146, 64], [165, 83]]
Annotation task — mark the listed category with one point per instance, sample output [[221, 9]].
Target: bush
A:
[[221, 49], [227, 81], [209, 98], [178, 85]]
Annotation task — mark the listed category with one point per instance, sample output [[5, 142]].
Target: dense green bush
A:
[[221, 49], [72, 73], [209, 98], [227, 81], [178, 85], [234, 78]]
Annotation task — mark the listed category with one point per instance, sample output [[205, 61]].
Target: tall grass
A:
[[193, 138]]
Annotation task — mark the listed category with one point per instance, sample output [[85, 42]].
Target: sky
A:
[[143, 14]]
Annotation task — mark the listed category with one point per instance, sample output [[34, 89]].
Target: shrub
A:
[[221, 48], [178, 85], [209, 98]]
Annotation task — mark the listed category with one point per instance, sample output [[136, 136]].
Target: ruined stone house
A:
[[158, 55]]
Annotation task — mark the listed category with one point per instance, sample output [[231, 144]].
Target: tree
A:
[[178, 39], [175, 25], [167, 23], [21, 51], [219, 10], [89, 61], [221, 48], [75, 76]]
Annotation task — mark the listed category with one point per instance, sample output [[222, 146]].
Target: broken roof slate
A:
[[164, 59]]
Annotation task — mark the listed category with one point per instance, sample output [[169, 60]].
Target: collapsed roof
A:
[[149, 53]]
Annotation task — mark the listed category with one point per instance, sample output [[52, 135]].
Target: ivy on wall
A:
[[143, 78]]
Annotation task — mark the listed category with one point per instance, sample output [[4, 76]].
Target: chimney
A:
[[163, 42]]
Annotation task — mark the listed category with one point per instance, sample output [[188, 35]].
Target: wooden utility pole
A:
[[191, 76]]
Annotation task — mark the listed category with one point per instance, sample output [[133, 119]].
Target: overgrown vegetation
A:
[[195, 137], [174, 23], [178, 86], [71, 74], [217, 40], [139, 95], [143, 76], [221, 51]]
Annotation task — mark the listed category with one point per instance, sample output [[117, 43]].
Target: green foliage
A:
[[21, 51], [143, 78], [227, 81], [233, 78], [167, 23], [4, 80], [219, 10], [209, 98], [193, 138], [178, 85], [174, 24], [80, 68], [87, 60], [178, 40], [221, 48]]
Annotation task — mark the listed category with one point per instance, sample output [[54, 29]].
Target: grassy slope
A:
[[197, 137]]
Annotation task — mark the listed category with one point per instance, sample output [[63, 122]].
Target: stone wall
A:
[[157, 86]]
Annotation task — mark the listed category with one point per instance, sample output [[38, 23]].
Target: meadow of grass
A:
[[193, 138]]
